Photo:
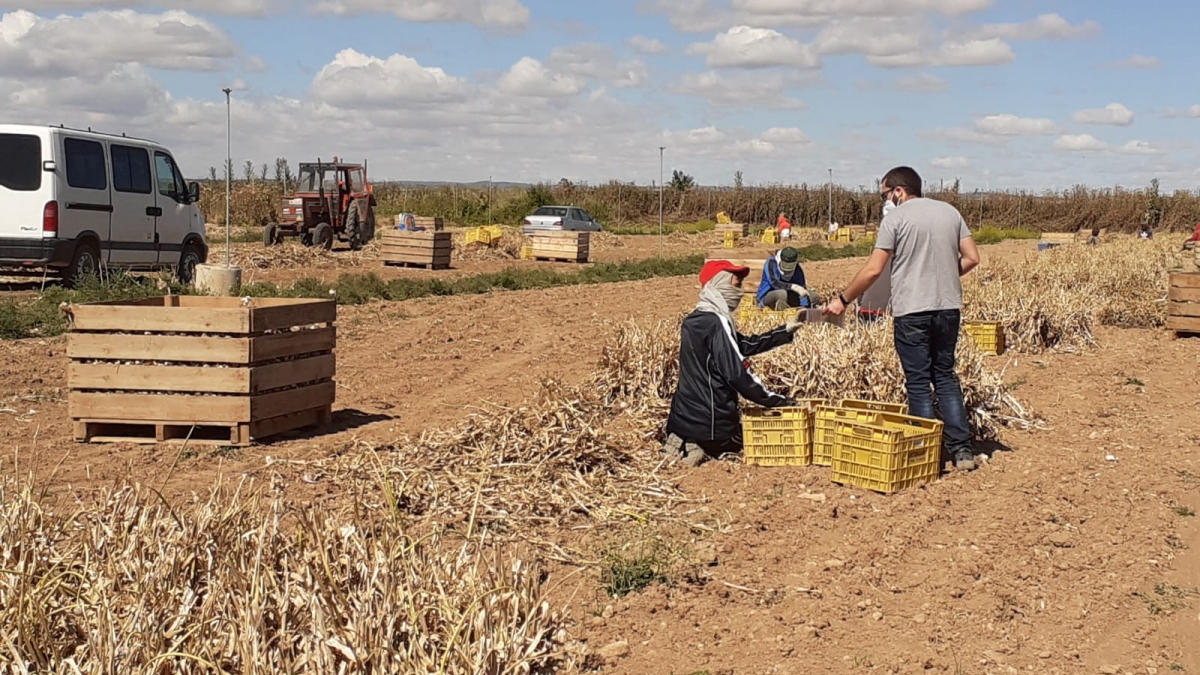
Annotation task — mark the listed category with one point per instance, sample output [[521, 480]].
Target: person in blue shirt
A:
[[782, 285]]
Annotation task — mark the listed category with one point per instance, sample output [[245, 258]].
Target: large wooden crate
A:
[[742, 229], [207, 369], [561, 246], [416, 249], [1183, 303]]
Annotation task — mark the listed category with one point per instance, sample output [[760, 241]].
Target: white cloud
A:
[[704, 16], [1044, 27], [785, 136], [530, 77], [757, 90], [950, 162], [501, 14], [748, 47], [357, 80], [597, 62], [1113, 114], [873, 36], [922, 83], [645, 45], [1140, 148], [961, 136], [225, 7], [1079, 143], [239, 85], [1137, 62], [1191, 111], [1011, 125], [990, 52], [33, 46]]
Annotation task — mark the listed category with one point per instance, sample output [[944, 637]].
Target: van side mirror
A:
[[50, 165], [193, 192]]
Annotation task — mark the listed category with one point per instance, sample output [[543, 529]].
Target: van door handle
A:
[[154, 211]]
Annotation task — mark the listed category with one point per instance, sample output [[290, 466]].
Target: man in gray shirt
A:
[[929, 247]]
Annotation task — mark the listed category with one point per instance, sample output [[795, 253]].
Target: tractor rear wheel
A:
[[271, 234], [323, 236], [355, 227]]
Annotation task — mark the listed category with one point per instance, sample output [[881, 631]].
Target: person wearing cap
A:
[[713, 370], [782, 284]]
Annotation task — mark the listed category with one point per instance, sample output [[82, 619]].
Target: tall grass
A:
[[627, 208]]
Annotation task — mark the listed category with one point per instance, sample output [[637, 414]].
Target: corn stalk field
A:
[[615, 204]]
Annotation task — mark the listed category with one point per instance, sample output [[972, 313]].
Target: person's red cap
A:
[[714, 267]]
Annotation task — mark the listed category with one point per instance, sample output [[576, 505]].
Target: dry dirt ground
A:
[[1070, 553]]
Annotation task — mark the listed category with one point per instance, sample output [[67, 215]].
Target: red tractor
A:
[[331, 199]]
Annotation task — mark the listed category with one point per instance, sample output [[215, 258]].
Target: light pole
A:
[[830, 223], [228, 171], [661, 149]]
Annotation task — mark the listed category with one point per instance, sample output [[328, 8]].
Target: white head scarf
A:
[[720, 296]]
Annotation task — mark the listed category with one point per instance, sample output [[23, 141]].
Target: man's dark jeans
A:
[[925, 342]]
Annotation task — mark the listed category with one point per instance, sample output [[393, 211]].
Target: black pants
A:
[[925, 343]]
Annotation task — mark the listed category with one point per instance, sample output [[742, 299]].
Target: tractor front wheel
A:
[[323, 236]]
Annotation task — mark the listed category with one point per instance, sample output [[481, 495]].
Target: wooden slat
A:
[[112, 376], [137, 319], [1188, 309], [1183, 324], [416, 259], [287, 316], [398, 236], [428, 246], [292, 400], [270, 347], [289, 373], [291, 421], [1180, 294], [185, 348], [159, 407], [1185, 280]]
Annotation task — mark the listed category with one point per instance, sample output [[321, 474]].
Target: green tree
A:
[[681, 182]]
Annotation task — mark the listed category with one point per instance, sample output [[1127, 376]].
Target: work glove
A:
[[795, 322], [799, 290]]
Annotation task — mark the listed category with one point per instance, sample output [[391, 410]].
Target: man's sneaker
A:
[[673, 448], [694, 455], [964, 461]]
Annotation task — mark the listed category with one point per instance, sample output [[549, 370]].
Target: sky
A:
[[1001, 94]]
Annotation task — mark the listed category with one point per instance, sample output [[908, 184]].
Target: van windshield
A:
[[22, 165]]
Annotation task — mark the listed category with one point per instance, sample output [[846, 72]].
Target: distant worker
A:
[[1146, 232], [713, 370], [1094, 239], [1191, 243], [783, 227], [783, 284]]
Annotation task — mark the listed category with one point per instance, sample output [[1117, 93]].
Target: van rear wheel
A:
[[85, 263]]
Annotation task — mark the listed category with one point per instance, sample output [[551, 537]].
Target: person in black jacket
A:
[[713, 370]]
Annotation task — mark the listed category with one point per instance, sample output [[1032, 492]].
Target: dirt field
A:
[[1069, 553]]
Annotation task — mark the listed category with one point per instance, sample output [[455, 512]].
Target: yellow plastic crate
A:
[[768, 236], [988, 335], [527, 253], [844, 234], [731, 239], [479, 235], [723, 219], [826, 418], [779, 436], [495, 231], [894, 453], [750, 311]]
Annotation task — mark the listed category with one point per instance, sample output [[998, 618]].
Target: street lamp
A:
[[661, 149], [228, 172]]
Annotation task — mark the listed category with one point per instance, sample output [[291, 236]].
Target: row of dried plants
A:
[[239, 583], [1053, 300]]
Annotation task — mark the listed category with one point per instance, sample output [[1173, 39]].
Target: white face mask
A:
[[888, 206]]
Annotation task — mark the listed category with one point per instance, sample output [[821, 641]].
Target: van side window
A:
[[85, 164], [131, 169], [170, 183]]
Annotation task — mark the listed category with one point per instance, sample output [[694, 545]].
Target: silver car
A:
[[560, 219]]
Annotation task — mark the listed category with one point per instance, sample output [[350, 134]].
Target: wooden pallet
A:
[[417, 265], [1183, 304], [197, 433], [160, 368], [542, 258]]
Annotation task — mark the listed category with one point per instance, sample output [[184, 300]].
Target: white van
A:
[[71, 201]]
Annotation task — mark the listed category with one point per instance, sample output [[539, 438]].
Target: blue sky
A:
[[1005, 94]]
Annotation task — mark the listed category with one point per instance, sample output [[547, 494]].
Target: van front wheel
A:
[[191, 256], [86, 262]]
